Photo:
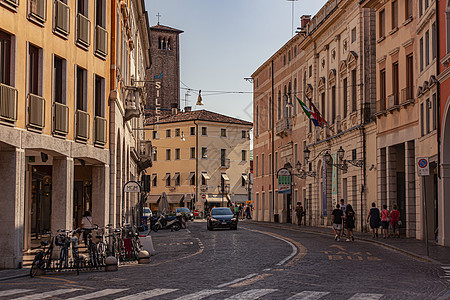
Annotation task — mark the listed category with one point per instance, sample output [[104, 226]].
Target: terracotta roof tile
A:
[[167, 28], [202, 115]]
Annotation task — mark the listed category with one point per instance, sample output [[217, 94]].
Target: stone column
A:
[[410, 186], [391, 174], [12, 177], [100, 195], [382, 177], [62, 193]]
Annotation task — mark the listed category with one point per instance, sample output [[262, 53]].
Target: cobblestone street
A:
[[257, 261]]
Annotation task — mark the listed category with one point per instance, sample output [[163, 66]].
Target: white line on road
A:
[[47, 294], [148, 294], [102, 293], [364, 296], [13, 292], [251, 294], [200, 295], [237, 280], [308, 295]]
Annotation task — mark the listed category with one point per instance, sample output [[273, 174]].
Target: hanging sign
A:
[[284, 181]]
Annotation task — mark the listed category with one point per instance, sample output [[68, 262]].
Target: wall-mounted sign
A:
[[284, 181], [423, 166], [132, 187]]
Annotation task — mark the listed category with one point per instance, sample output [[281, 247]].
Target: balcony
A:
[[37, 11], [284, 127], [381, 106], [225, 163], [8, 103], [101, 41], [82, 125], [62, 21], [83, 31], [393, 102], [100, 125], [11, 3], [60, 119], [36, 108]]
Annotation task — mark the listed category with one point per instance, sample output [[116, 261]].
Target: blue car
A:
[[221, 217]]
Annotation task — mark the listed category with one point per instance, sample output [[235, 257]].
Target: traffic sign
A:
[[423, 166], [203, 196]]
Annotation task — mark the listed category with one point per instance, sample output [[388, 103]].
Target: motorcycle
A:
[[172, 223]]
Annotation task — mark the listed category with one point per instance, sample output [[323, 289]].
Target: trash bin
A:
[[276, 218]]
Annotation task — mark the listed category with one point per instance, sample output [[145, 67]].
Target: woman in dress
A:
[[374, 217], [349, 222], [385, 215], [395, 221]]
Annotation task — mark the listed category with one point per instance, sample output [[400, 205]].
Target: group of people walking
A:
[[243, 212], [343, 217], [384, 218]]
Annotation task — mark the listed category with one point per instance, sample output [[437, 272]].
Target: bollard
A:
[[143, 257], [147, 244], [111, 264]]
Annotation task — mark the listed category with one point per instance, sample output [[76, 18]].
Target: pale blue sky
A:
[[225, 41]]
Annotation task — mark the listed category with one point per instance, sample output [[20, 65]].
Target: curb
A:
[[390, 247], [14, 277]]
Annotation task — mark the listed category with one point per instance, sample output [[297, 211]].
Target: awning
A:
[[191, 175], [175, 177], [216, 199], [153, 198], [206, 176], [245, 177], [225, 177], [165, 177], [175, 198]]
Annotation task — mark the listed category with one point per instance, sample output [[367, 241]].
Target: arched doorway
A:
[[444, 194]]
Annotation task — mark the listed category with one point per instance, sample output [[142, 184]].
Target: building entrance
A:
[[41, 200]]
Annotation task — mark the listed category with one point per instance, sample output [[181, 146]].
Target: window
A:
[[223, 132], [333, 104], [310, 71], [345, 100], [394, 14], [177, 154], [294, 102], [205, 178], [276, 160], [322, 105], [395, 82], [257, 121], [257, 166], [192, 130], [427, 48], [100, 13], [191, 178], [5, 58], [81, 91], [420, 8], [244, 179], [192, 152], [168, 155], [279, 105], [176, 179], [155, 155], [295, 51], [284, 60], [447, 29], [99, 96], [353, 34], [82, 7], [354, 90], [34, 73], [177, 132], [59, 80], [354, 154], [421, 119], [435, 112], [408, 9], [167, 179], [269, 162], [204, 152], [223, 153], [155, 134], [168, 133], [204, 131], [262, 164], [244, 134], [270, 113], [421, 54], [289, 55], [426, 4], [409, 77], [433, 40], [244, 155], [382, 89], [381, 25], [154, 179], [295, 153], [427, 110]]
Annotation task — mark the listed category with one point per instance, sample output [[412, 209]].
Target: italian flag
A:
[[309, 113]]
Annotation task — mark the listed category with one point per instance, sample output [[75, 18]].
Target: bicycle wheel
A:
[[37, 265]]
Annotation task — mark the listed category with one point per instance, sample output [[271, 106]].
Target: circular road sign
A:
[[203, 196], [423, 163]]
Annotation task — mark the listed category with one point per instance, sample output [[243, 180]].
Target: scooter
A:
[[172, 223]]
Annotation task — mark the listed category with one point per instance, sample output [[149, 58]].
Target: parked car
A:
[[147, 212], [221, 217], [185, 212]]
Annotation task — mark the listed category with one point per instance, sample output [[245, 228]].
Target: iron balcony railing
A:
[[60, 118], [8, 103], [36, 110]]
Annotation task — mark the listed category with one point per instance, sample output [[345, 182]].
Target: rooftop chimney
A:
[[187, 108], [174, 108], [305, 20]]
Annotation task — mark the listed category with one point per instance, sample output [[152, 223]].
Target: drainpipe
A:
[[196, 163], [438, 92], [363, 188], [273, 147]]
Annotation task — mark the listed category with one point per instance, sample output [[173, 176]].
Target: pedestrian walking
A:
[[385, 218], [299, 213], [395, 221], [248, 214], [236, 210], [336, 219], [343, 207], [349, 222], [374, 218], [86, 225]]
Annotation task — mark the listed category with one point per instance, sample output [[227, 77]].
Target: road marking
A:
[[365, 296], [308, 295], [47, 294], [251, 280], [148, 294], [251, 294], [200, 295], [13, 292], [237, 280], [102, 293]]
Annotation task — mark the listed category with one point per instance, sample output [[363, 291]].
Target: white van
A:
[[147, 212]]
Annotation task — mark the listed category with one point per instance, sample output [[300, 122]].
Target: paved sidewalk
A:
[[409, 246]]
